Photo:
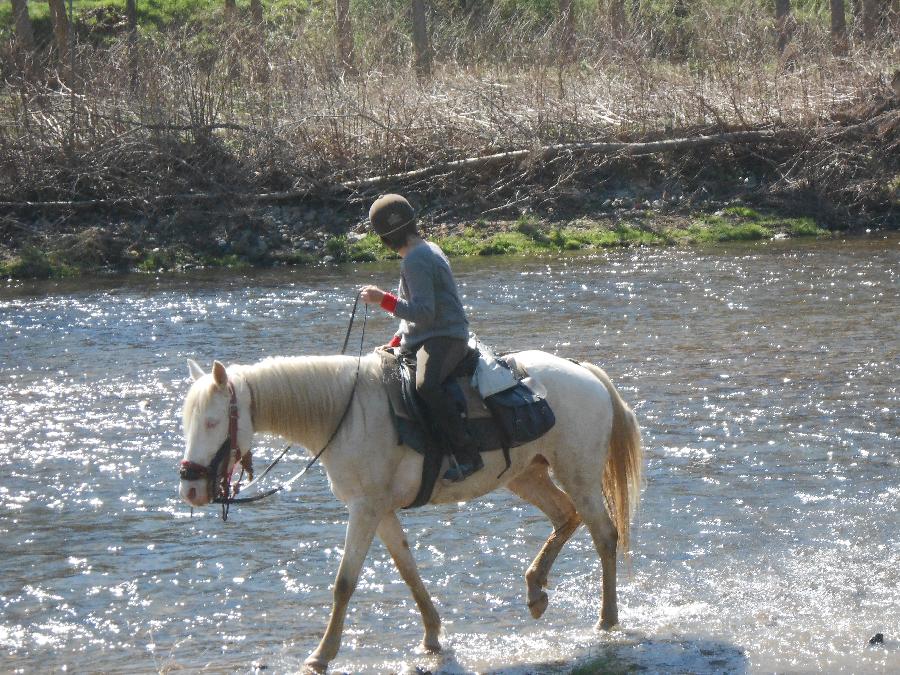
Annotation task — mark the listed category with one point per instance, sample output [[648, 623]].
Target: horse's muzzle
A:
[[194, 493]]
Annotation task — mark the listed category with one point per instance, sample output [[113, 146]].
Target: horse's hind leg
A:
[[588, 498], [535, 486], [390, 531]]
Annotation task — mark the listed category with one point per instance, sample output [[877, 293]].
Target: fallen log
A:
[[532, 154]]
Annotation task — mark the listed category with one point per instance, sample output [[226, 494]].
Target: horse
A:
[[338, 404]]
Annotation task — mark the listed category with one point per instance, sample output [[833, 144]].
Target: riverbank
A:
[[212, 140], [280, 236]]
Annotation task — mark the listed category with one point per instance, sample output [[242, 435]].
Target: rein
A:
[[224, 496]]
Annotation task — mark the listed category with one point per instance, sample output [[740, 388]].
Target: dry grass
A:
[[245, 110]]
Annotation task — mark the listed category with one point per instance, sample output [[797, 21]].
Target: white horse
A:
[[594, 452]]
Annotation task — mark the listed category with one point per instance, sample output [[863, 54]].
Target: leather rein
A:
[[219, 479]]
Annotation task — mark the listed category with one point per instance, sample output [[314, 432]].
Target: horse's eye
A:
[[212, 424]]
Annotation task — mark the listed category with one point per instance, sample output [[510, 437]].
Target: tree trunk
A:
[[871, 17], [131, 17], [256, 11], [782, 24], [636, 23], [344, 37], [617, 19], [680, 12], [230, 9], [24, 32], [60, 29], [567, 30], [838, 28], [421, 41]]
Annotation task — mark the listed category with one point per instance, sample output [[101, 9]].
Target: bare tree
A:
[[60, 28], [230, 9], [421, 40], [874, 13], [680, 12], [636, 22], [344, 37], [256, 11], [131, 17], [782, 24], [24, 31], [838, 28], [617, 18], [567, 29]]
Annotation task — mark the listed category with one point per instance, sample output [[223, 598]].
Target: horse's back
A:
[[580, 401]]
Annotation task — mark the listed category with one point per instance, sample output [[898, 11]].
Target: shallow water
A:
[[765, 378]]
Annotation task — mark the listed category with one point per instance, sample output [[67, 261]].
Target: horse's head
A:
[[217, 432]]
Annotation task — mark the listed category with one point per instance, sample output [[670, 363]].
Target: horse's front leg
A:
[[390, 531], [364, 519]]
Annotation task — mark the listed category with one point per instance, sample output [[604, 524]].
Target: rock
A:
[[328, 259], [250, 245], [354, 237], [877, 639]]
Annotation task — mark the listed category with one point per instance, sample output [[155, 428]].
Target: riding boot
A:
[[464, 452]]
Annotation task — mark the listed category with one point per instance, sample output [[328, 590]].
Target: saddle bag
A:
[[522, 413]]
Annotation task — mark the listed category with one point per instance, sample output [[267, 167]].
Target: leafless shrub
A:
[[237, 109]]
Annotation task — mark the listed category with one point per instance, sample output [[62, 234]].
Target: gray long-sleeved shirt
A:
[[428, 303]]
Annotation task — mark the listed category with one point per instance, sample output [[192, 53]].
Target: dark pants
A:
[[436, 359]]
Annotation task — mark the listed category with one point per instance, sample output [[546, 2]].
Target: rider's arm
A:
[[419, 308]]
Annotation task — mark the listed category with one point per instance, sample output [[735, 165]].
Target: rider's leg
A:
[[436, 359]]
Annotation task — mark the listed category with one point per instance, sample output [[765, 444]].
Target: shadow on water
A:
[[634, 653]]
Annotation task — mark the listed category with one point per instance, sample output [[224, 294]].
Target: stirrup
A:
[[459, 472]]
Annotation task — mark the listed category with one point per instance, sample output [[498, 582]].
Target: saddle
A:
[[512, 412]]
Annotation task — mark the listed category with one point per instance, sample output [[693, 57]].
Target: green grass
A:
[[740, 223], [32, 263], [805, 227], [528, 238], [367, 249], [710, 228]]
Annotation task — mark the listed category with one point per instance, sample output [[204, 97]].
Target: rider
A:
[[433, 323]]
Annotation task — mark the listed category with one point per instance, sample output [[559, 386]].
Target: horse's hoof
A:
[[539, 606], [431, 647], [607, 625], [315, 665]]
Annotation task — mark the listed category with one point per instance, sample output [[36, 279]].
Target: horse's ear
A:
[[196, 370], [219, 375]]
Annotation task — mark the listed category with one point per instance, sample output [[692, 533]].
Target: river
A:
[[765, 378]]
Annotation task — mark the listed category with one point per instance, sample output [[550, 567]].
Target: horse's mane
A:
[[301, 397]]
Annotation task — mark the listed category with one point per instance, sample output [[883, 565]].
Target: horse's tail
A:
[[622, 473]]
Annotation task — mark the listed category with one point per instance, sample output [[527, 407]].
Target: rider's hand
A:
[[371, 295]]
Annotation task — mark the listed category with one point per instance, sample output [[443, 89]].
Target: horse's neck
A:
[[300, 399]]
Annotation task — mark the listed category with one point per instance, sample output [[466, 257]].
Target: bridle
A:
[[219, 485], [218, 478]]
